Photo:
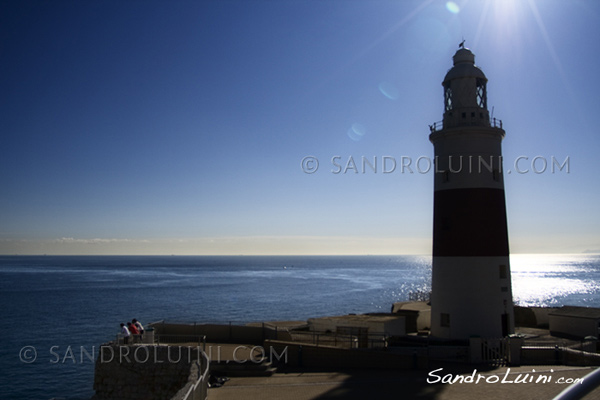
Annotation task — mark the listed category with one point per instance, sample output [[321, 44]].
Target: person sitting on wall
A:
[[139, 326], [125, 333], [133, 329]]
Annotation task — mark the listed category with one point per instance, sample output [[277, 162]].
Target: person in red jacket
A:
[[133, 329]]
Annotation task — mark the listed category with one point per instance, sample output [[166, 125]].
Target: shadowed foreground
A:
[[386, 384]]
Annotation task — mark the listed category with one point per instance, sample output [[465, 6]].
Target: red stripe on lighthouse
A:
[[470, 223]]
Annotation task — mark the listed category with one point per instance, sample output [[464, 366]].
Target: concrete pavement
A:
[[519, 384]]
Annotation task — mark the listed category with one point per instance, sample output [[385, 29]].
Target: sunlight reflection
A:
[[547, 280]]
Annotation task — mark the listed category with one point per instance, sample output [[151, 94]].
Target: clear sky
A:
[[175, 127]]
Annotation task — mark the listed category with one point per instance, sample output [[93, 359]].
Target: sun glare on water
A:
[[553, 280]]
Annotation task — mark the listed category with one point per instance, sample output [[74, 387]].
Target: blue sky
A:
[[179, 127]]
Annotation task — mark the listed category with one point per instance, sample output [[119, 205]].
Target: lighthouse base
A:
[[471, 296]]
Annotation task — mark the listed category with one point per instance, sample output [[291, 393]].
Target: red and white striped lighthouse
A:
[[471, 283]]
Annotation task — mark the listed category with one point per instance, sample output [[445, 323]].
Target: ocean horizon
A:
[[62, 308]]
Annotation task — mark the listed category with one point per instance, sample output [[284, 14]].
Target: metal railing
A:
[[163, 339], [179, 339], [131, 339], [560, 352], [199, 390], [339, 340], [439, 125], [169, 332]]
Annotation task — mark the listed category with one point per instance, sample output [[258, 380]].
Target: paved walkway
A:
[[408, 385]]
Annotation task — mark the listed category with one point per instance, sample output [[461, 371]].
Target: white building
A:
[[471, 283], [366, 327]]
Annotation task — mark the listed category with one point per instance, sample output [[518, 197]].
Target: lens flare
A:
[[452, 7], [389, 90], [356, 132]]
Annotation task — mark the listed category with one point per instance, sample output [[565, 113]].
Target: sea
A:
[[57, 310]]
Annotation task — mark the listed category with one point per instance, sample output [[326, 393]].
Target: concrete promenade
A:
[[387, 384]]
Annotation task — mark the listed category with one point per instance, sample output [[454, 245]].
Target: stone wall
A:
[[533, 317], [135, 372]]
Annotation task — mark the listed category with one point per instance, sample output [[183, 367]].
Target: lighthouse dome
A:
[[464, 55], [464, 66]]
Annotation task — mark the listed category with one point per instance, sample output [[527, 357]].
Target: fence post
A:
[[515, 342]]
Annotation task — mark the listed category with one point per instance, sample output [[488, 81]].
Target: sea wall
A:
[[137, 372], [533, 317]]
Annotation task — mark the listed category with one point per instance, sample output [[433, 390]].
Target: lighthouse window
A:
[[448, 97], [503, 270], [481, 95], [445, 319]]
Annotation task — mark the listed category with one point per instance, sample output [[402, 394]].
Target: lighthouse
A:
[[471, 285]]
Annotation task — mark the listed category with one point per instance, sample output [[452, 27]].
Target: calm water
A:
[[65, 307]]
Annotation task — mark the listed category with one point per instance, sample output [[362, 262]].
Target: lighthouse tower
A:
[[471, 284]]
